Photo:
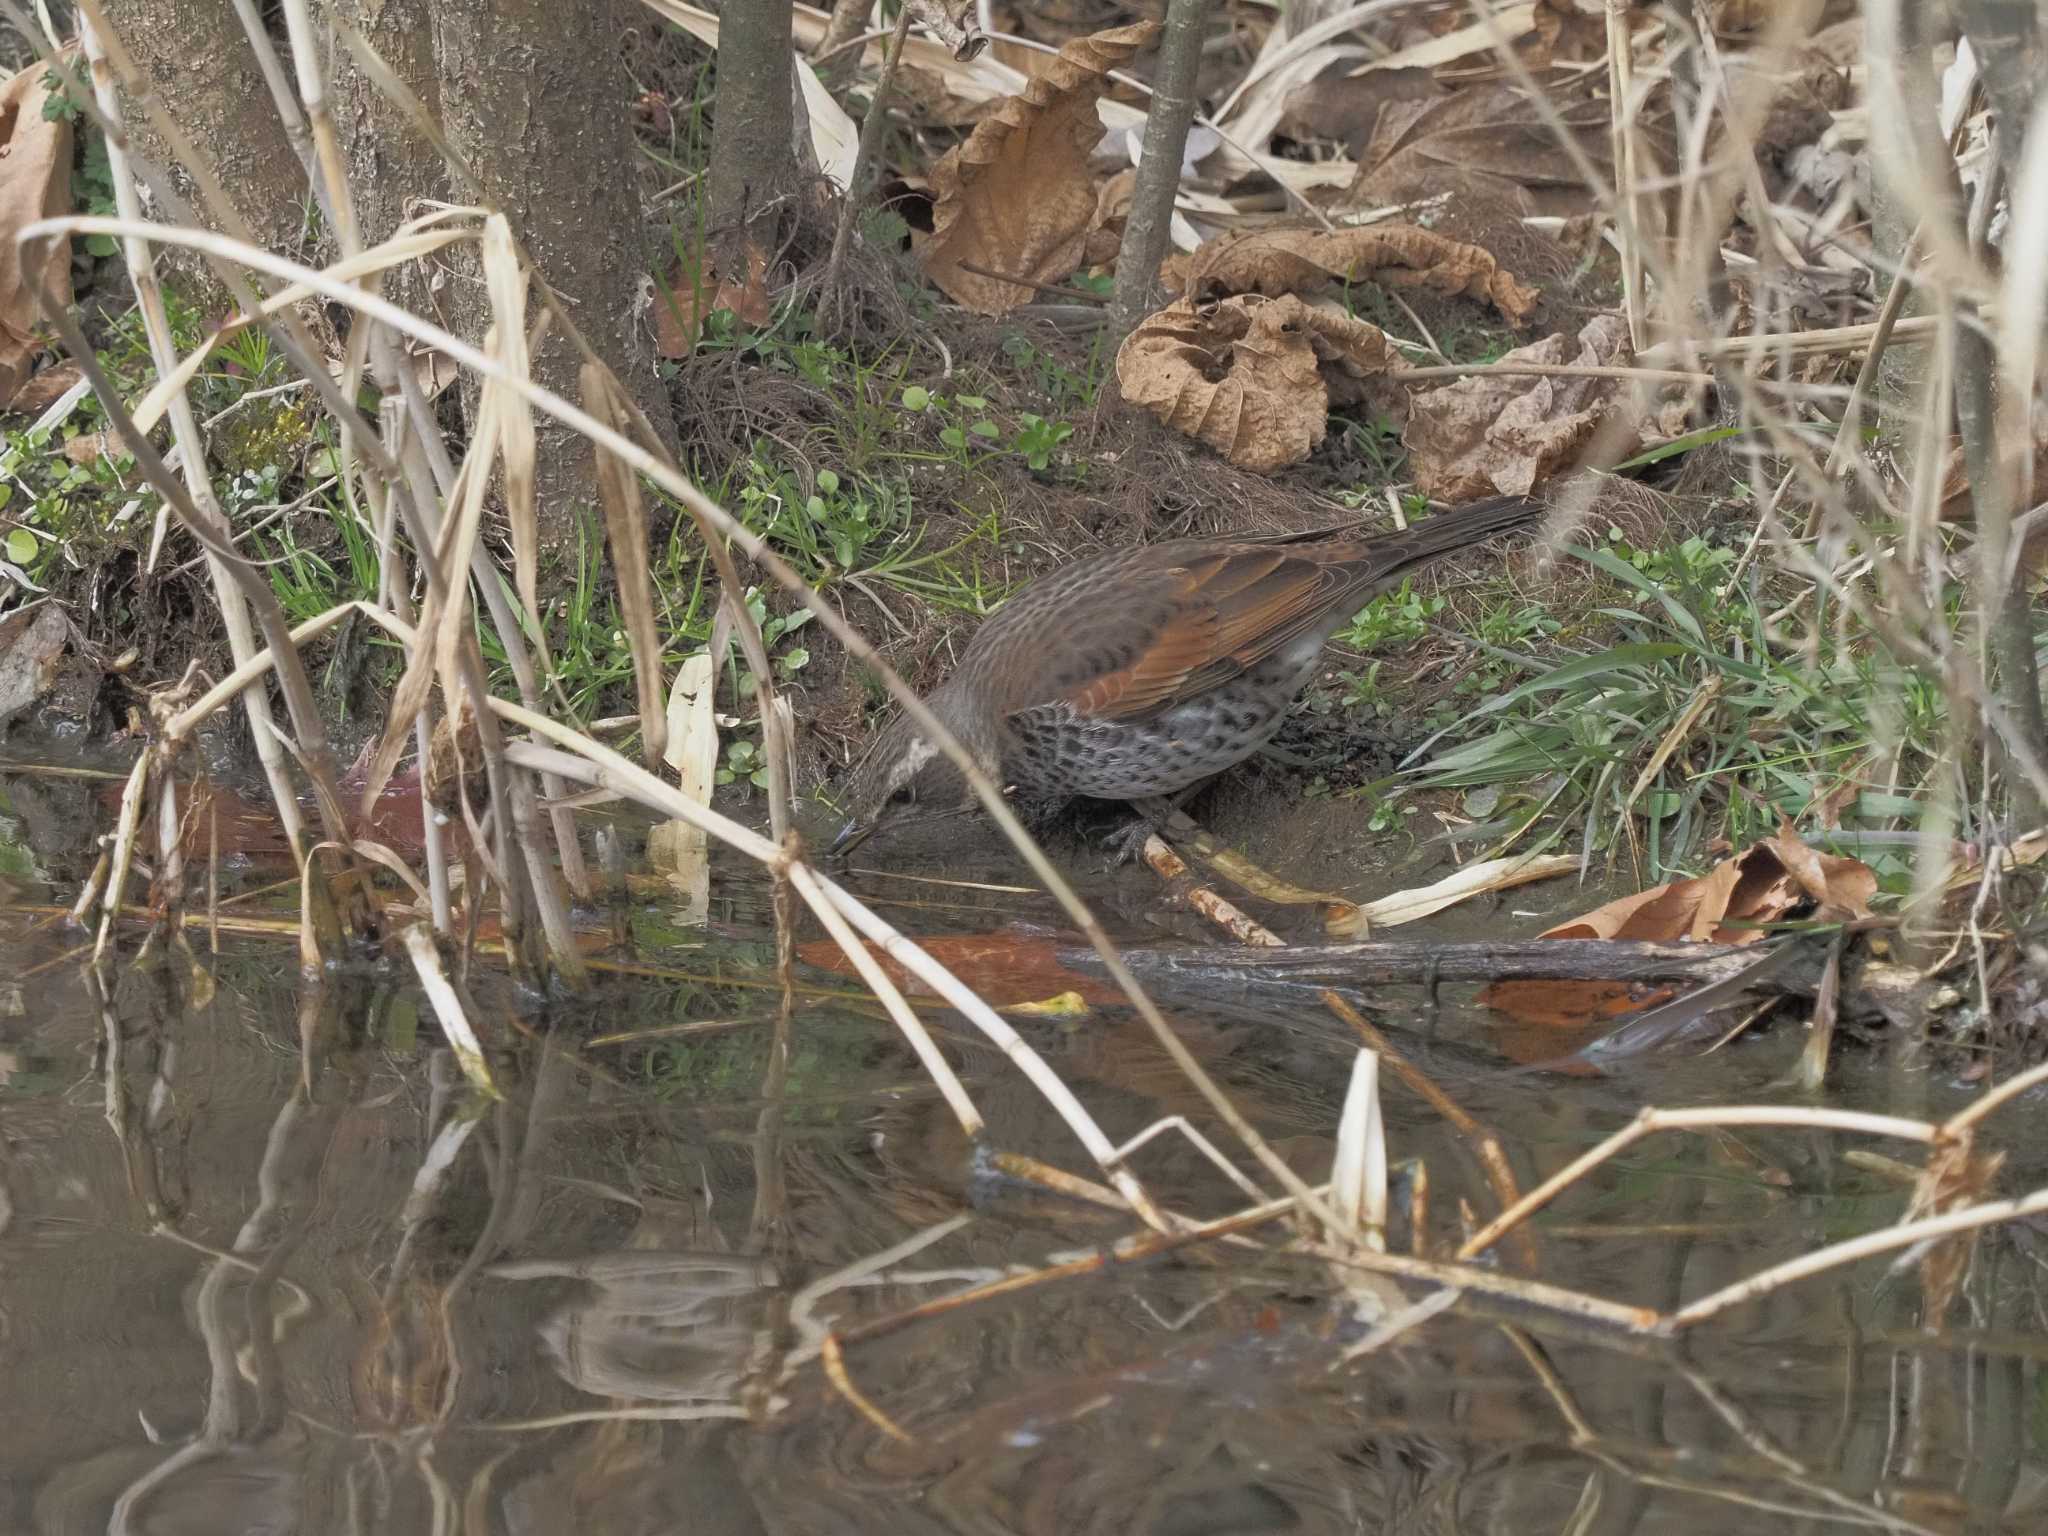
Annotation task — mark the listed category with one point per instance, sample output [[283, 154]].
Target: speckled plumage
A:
[[1147, 670]]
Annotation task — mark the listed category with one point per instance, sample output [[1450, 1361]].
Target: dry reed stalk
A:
[[425, 466], [141, 264], [1358, 1166], [1629, 156], [864, 153], [449, 1009], [1651, 1121], [1887, 1240]]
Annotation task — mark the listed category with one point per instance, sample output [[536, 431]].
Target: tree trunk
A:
[[203, 73], [752, 164], [389, 162], [532, 97], [1149, 228]]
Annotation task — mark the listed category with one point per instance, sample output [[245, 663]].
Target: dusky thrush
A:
[[1146, 670]]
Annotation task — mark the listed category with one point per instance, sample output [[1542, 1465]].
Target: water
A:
[[234, 1297]]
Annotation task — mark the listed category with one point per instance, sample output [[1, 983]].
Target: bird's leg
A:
[[1155, 813]]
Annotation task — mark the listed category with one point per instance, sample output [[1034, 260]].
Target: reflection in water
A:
[[266, 1265]]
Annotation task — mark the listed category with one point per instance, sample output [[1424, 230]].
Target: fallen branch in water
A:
[[1419, 961]]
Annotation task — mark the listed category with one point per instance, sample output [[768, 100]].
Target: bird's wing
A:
[[1228, 610]]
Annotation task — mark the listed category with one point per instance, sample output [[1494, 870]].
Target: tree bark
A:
[[752, 164], [1149, 228], [389, 162], [532, 98], [203, 74]]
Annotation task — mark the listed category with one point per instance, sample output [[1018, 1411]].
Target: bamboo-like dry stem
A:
[[1651, 1121], [600, 764], [1889, 1239]]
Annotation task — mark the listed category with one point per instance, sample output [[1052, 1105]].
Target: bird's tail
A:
[[1448, 532]]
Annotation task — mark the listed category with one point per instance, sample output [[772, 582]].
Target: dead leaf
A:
[[1500, 433], [1251, 377], [32, 642], [1006, 970], [1334, 106], [1489, 875], [45, 389], [1777, 878], [91, 447], [35, 183], [1482, 144], [694, 293], [1302, 260], [1017, 198], [1572, 30], [679, 850]]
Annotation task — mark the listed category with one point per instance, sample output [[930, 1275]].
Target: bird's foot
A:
[[1128, 841], [1159, 814]]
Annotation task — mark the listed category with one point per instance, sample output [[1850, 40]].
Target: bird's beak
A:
[[850, 837]]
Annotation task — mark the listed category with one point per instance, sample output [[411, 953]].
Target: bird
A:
[[1141, 672]]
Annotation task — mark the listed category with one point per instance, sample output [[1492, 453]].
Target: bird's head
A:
[[905, 777]]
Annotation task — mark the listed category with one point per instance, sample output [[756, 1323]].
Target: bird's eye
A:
[[904, 796]]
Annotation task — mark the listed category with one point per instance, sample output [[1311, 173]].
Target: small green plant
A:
[[1037, 439], [743, 760], [1399, 617]]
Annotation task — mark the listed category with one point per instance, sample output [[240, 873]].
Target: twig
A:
[[863, 161]]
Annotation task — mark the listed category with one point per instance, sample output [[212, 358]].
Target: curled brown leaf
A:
[[1277, 261], [1250, 377], [1502, 432], [1016, 199]]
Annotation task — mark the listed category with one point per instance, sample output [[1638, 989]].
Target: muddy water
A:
[[266, 1265]]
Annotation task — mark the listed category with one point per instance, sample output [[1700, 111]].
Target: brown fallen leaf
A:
[[1731, 903], [32, 644], [695, 292], [1016, 198], [1007, 970], [1305, 261], [1483, 144], [44, 389], [1571, 30], [1501, 433], [1251, 377], [35, 183]]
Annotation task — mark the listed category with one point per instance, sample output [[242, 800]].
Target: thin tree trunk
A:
[[533, 98], [203, 73], [752, 165], [1150, 226], [2008, 38]]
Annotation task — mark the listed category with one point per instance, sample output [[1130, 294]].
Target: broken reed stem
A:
[[1485, 1145], [805, 883], [598, 764], [1626, 136], [513, 796], [191, 443], [1651, 1121], [1903, 1235], [1550, 371], [1180, 881], [123, 850]]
